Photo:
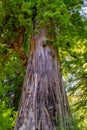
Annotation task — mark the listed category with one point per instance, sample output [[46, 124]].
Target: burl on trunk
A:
[[44, 104]]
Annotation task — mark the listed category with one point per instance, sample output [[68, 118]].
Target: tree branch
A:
[[16, 45], [5, 40], [20, 31]]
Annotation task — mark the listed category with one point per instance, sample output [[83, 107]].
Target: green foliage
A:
[[11, 81], [75, 74], [7, 117], [13, 15], [26, 43]]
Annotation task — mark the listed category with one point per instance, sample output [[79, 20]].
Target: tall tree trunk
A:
[[44, 104]]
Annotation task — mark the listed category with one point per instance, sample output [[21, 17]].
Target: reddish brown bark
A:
[[43, 103]]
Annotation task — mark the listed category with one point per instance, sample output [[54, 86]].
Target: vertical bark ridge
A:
[[43, 103]]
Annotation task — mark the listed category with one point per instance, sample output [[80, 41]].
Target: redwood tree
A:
[[44, 103], [48, 25]]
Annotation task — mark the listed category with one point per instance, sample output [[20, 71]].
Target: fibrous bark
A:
[[44, 104]]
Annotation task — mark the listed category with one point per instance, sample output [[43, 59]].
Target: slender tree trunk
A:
[[44, 104]]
